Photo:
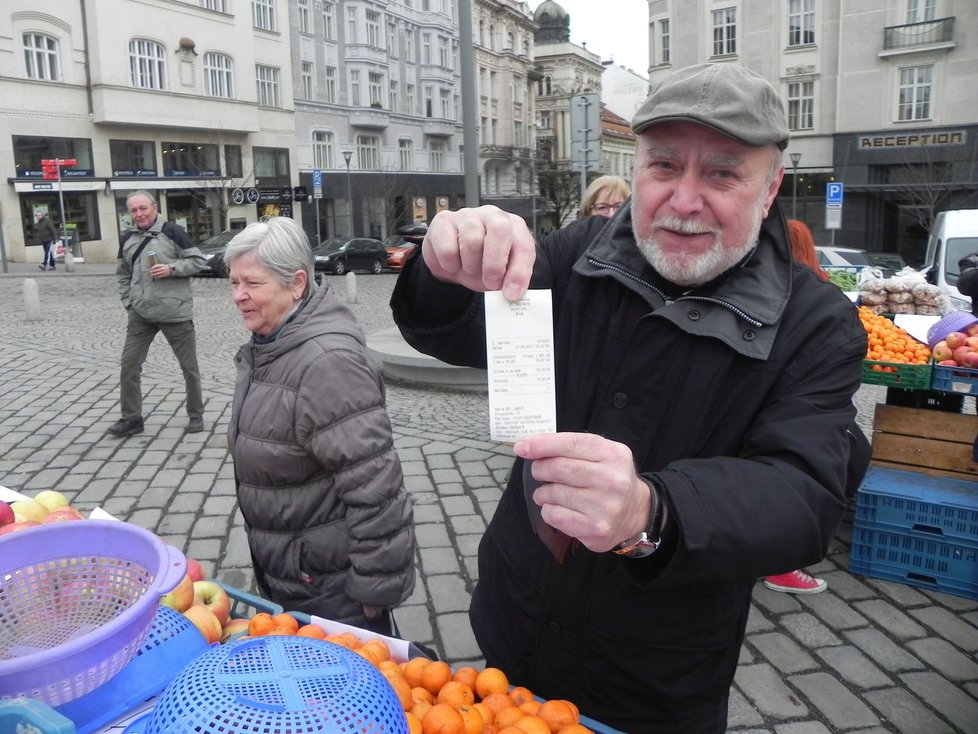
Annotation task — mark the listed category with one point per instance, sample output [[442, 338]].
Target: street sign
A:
[[252, 195], [833, 194], [585, 132], [317, 184], [238, 196], [833, 216]]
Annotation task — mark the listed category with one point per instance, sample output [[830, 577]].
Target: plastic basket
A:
[[281, 684], [954, 321], [960, 380], [76, 602], [896, 374], [171, 644]]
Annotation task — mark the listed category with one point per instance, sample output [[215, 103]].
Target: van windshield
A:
[[957, 248]]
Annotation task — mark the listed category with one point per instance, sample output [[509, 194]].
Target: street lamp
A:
[[347, 155], [795, 159]]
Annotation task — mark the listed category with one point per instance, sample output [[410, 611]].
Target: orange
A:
[[455, 694], [414, 723], [442, 719], [557, 714], [367, 654], [413, 669], [530, 707], [389, 668], [420, 693], [343, 639], [381, 648], [261, 624], [280, 630], [575, 729], [467, 675], [511, 730], [286, 621], [311, 630], [491, 680], [488, 715], [436, 674], [403, 691], [498, 701], [420, 708], [508, 717], [520, 694], [472, 720], [533, 725]]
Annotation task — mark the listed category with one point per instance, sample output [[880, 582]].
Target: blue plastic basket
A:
[[278, 683], [76, 602]]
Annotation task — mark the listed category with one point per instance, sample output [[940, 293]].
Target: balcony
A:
[[438, 127], [372, 118], [931, 35]]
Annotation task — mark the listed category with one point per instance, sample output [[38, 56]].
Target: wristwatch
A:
[[647, 542]]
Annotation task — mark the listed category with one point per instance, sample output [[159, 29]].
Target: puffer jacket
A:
[[735, 401], [44, 231], [163, 300], [319, 483], [968, 280]]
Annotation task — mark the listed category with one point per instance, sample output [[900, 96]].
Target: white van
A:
[[954, 236]]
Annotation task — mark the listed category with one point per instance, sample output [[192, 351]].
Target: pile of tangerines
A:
[[438, 700], [887, 342]]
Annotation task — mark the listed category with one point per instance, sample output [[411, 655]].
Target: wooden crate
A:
[[935, 443]]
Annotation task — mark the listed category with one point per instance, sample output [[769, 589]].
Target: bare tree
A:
[[930, 185], [560, 188]]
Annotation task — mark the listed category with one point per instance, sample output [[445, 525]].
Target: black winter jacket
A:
[[968, 280], [734, 399]]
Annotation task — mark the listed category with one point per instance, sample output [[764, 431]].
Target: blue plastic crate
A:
[[927, 563], [919, 505], [29, 715], [960, 380]]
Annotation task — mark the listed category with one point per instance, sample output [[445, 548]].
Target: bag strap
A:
[[139, 250]]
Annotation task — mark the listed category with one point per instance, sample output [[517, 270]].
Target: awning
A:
[[40, 186]]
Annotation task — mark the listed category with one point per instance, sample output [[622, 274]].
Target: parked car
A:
[[953, 236], [888, 260], [341, 254], [213, 250], [850, 260], [398, 252]]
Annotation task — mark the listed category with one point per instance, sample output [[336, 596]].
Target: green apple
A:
[[51, 498], [29, 510]]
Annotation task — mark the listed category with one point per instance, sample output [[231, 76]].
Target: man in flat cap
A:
[[704, 390]]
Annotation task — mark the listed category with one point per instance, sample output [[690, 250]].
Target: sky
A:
[[617, 29]]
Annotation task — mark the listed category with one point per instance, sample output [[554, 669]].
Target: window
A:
[[30, 150], [801, 22], [444, 56], [305, 17], [267, 78], [373, 28], [132, 158], [544, 88], [271, 163], [405, 150], [544, 120], [306, 75], [147, 64], [190, 159], [519, 89], [232, 161], [322, 149], [263, 14], [351, 25], [392, 40], [665, 39], [724, 31], [518, 133], [331, 84], [492, 85], [218, 75], [329, 21], [411, 109], [409, 46], [355, 88], [394, 101], [436, 156], [921, 10], [368, 152], [41, 57], [915, 91], [221, 6], [429, 103], [801, 105], [445, 98], [375, 88], [425, 48]]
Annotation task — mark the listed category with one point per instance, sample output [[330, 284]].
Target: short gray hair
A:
[[279, 244], [142, 192]]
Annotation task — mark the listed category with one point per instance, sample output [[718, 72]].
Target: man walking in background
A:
[[45, 233]]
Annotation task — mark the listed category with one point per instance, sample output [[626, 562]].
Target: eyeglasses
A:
[[604, 208]]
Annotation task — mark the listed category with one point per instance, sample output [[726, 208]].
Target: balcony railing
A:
[[915, 35]]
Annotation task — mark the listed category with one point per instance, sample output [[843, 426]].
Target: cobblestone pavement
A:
[[865, 656]]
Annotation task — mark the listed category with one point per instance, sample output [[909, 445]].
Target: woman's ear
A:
[[300, 280]]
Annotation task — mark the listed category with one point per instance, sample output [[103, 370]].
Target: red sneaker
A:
[[796, 582]]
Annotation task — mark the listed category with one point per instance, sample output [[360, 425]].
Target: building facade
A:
[[880, 98]]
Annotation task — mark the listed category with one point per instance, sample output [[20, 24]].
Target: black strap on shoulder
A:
[[139, 250]]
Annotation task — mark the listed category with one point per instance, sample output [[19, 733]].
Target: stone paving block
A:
[[438, 447], [46, 479], [833, 611], [756, 621], [947, 659], [458, 505], [236, 552], [467, 524], [468, 545], [223, 507], [448, 593], [855, 668], [431, 535], [782, 652], [210, 526], [809, 630], [175, 523], [414, 623], [802, 727], [437, 561], [455, 637], [147, 518], [775, 602], [945, 697], [902, 596], [847, 586], [883, 651], [74, 482], [204, 548], [418, 483], [412, 468], [765, 689], [441, 461], [426, 513], [740, 712], [906, 713], [952, 628], [951, 601], [888, 617], [834, 701]]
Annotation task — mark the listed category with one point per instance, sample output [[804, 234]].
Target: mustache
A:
[[684, 226]]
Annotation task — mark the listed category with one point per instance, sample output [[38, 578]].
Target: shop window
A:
[[272, 164], [232, 161], [190, 159], [80, 208], [29, 151], [133, 158]]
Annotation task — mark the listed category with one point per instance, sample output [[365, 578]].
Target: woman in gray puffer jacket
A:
[[318, 481]]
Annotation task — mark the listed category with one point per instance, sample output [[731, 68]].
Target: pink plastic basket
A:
[[76, 602]]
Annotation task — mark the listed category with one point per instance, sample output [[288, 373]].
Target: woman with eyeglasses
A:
[[604, 196]]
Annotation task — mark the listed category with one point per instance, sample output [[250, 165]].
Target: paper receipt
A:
[[520, 360]]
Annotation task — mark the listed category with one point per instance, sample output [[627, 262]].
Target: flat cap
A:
[[728, 98]]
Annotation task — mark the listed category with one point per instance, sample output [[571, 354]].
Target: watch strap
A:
[[647, 542]]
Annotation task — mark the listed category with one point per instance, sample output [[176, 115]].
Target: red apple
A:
[[941, 351], [6, 514], [948, 363], [959, 353], [972, 330], [234, 629], [62, 514], [970, 360], [195, 570], [182, 597], [955, 339], [972, 341], [13, 527], [211, 595], [205, 622]]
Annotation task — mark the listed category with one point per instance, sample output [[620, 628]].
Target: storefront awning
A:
[[40, 187]]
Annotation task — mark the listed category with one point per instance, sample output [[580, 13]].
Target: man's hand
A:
[[589, 487], [484, 249], [160, 270]]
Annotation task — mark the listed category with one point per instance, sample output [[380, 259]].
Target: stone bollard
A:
[[351, 287], [32, 301], [69, 261]]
